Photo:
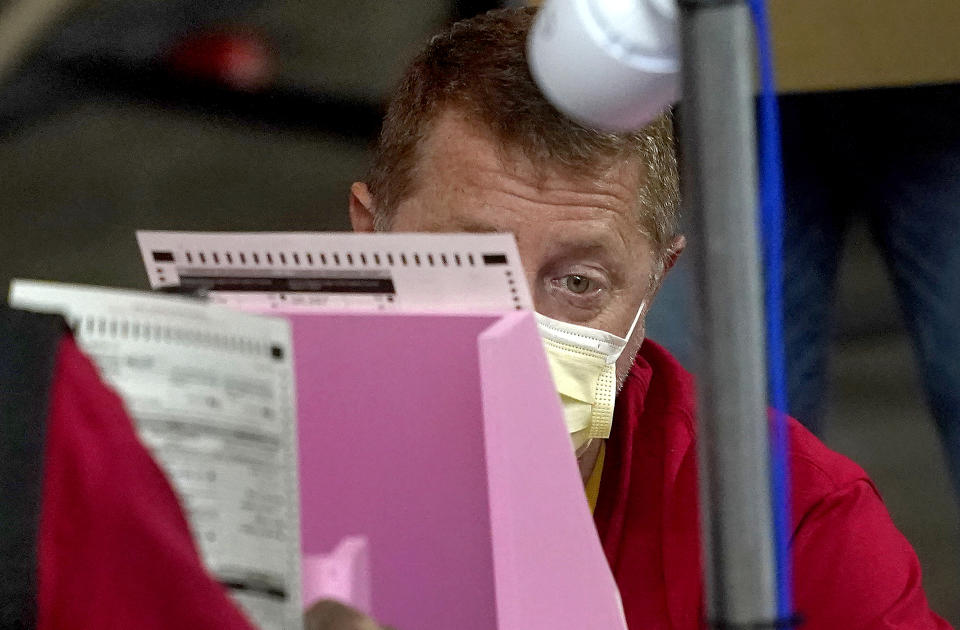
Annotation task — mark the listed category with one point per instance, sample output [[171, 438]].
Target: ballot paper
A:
[[211, 391], [426, 421], [309, 271]]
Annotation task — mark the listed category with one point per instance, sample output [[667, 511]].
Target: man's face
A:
[[586, 260]]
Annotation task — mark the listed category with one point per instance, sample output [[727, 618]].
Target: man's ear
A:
[[361, 208], [671, 255], [673, 252]]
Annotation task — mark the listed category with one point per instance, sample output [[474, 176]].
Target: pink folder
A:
[[440, 439]]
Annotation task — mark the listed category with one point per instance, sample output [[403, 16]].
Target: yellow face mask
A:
[[583, 365]]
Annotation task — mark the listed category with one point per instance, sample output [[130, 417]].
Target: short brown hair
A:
[[479, 66]]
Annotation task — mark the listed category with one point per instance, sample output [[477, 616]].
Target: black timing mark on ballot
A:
[[494, 259], [316, 284]]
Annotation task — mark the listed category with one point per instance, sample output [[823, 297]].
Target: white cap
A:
[[612, 64]]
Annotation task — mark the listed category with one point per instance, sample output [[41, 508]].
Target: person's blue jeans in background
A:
[[893, 157]]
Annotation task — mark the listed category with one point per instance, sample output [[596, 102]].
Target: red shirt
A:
[[114, 549], [852, 568]]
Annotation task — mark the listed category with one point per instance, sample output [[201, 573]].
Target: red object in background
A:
[[236, 59]]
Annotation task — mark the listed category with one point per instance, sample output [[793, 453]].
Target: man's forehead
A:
[[456, 140], [466, 182]]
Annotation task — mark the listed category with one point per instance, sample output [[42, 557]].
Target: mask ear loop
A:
[[636, 318], [626, 340]]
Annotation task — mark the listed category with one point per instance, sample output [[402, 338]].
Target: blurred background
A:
[[257, 115]]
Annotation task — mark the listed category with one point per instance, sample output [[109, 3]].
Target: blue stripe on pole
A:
[[771, 220]]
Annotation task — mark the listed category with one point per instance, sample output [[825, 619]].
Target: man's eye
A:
[[577, 284]]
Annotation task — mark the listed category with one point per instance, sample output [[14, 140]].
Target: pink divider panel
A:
[[440, 439], [392, 448], [549, 565]]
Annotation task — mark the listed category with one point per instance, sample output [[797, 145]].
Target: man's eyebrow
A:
[[582, 247], [465, 225]]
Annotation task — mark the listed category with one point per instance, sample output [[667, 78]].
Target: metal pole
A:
[[720, 195]]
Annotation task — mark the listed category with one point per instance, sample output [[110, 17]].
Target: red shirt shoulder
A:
[[852, 567]]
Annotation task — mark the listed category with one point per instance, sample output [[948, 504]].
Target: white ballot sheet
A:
[[212, 393], [340, 270]]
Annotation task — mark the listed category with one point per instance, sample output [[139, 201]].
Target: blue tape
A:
[[771, 222]]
